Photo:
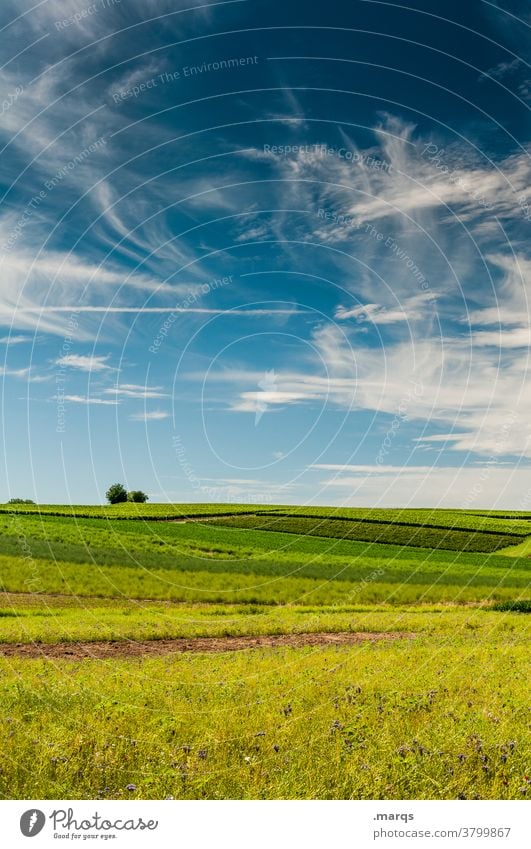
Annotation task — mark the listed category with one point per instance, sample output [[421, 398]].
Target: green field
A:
[[433, 707]]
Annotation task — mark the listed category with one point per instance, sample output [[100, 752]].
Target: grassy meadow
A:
[[435, 707]]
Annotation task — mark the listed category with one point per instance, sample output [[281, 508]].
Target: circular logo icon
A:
[[32, 822]]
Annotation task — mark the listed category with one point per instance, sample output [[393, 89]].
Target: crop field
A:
[[460, 539], [242, 651], [128, 510]]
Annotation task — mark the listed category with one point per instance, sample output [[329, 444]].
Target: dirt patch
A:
[[126, 648]]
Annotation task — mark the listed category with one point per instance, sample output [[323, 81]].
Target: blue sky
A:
[[266, 251]]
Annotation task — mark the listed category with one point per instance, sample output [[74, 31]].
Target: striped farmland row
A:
[[378, 532]]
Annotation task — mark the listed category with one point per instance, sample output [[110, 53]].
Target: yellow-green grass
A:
[[483, 519], [412, 527], [198, 562], [85, 579], [128, 510], [59, 620], [521, 550], [439, 717]]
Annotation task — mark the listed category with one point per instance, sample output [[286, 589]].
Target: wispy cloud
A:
[[412, 309], [444, 487], [518, 337], [84, 362], [133, 390], [370, 470], [502, 69], [149, 416], [28, 374], [37, 289], [148, 310], [88, 400], [509, 302], [14, 340], [429, 381]]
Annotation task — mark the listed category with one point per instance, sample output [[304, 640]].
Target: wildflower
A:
[[130, 787], [202, 754]]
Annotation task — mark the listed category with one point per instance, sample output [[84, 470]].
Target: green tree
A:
[[137, 496], [116, 494], [20, 501]]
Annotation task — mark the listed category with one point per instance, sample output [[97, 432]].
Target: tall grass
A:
[[439, 717]]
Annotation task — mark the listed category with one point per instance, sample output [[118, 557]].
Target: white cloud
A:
[[140, 310], [511, 299], [14, 340], [518, 337], [255, 402], [473, 488], [502, 69], [84, 362], [373, 313], [443, 381], [153, 416], [130, 78], [369, 470], [27, 374], [85, 399], [133, 390], [37, 289], [419, 193], [84, 20], [50, 127], [411, 309], [251, 234], [442, 437]]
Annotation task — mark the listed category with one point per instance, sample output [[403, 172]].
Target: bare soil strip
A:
[[125, 648]]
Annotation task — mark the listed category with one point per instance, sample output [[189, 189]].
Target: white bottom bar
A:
[[263, 825]]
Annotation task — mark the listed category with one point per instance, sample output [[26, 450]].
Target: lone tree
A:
[[137, 496], [116, 494]]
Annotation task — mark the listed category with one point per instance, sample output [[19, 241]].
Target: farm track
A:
[[128, 649]]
